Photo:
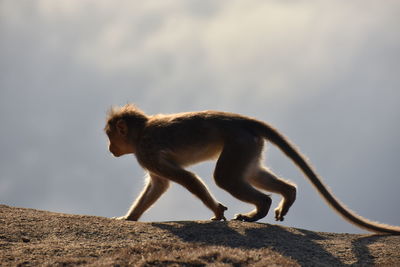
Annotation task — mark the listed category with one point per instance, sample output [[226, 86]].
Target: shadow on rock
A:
[[300, 246], [360, 249]]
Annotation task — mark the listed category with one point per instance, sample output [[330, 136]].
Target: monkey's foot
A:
[[248, 217], [219, 214], [252, 216], [260, 212], [244, 218], [284, 205]]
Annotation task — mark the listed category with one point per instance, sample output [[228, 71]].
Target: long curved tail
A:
[[290, 150]]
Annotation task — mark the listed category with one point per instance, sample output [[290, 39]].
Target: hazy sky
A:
[[326, 73]]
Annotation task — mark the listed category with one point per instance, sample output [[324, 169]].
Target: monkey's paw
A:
[[241, 217], [121, 218], [246, 218], [219, 214], [218, 218], [252, 216], [285, 205], [279, 215]]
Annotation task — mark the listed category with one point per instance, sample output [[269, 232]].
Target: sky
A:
[[326, 73]]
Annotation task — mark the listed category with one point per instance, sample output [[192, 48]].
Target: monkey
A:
[[165, 144]]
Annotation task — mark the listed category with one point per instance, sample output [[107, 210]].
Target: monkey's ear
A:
[[122, 128]]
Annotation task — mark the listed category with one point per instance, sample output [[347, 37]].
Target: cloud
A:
[[324, 72]]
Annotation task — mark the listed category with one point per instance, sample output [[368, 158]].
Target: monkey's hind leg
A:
[[266, 180], [230, 173]]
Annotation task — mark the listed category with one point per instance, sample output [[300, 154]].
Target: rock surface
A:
[[30, 237]]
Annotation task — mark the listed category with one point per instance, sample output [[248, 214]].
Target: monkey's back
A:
[[178, 135]]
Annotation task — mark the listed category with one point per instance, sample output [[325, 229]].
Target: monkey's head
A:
[[124, 127]]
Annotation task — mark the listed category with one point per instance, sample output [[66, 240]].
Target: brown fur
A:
[[165, 144]]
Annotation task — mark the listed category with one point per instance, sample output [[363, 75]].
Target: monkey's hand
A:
[[125, 218], [121, 218], [219, 214]]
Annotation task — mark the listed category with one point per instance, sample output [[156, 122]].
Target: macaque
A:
[[165, 144]]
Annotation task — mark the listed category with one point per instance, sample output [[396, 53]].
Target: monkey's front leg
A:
[[194, 184], [154, 188]]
